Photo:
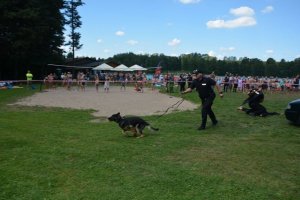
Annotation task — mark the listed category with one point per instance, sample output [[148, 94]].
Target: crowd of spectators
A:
[[234, 83], [229, 82]]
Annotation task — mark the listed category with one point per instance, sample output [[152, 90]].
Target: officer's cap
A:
[[197, 71]]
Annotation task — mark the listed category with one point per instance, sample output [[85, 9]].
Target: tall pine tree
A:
[[73, 20]]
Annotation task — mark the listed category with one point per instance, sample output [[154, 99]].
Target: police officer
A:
[[204, 87], [255, 97]]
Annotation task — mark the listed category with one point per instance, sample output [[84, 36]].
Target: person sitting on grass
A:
[[254, 100]]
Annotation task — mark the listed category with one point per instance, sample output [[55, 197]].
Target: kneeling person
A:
[[254, 100]]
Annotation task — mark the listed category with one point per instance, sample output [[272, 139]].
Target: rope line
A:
[[112, 81], [175, 106]]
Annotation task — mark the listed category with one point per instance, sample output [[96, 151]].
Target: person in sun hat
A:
[[204, 87]]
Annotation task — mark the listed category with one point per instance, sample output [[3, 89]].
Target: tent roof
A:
[[121, 68], [137, 68], [103, 66]]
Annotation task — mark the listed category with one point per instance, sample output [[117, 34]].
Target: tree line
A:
[[208, 64], [32, 35]]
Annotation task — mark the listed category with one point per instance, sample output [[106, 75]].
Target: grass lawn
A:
[[53, 153]]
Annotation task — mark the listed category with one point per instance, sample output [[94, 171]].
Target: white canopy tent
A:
[[122, 68], [137, 68], [103, 66]]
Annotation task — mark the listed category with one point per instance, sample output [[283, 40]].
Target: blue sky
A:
[[241, 28]]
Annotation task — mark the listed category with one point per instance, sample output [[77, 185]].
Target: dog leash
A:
[[175, 106]]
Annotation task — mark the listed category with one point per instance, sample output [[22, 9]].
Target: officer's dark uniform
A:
[[207, 95], [254, 100]]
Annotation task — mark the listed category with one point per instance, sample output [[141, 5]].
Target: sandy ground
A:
[[127, 102]]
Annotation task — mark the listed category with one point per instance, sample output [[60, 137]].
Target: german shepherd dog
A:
[[134, 124]]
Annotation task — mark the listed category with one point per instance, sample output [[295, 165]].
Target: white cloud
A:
[[99, 41], [220, 57], [82, 55], [120, 33], [245, 18], [238, 22], [174, 42], [267, 9], [189, 1], [242, 11], [214, 54], [132, 42], [140, 52], [269, 51], [174, 55], [211, 53], [65, 48], [227, 48]]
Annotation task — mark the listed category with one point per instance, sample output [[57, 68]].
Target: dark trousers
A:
[[256, 109], [182, 86], [225, 87], [206, 110]]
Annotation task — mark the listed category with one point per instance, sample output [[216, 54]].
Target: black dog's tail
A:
[[152, 128]]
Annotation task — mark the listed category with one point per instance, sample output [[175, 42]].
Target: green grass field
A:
[[53, 153]]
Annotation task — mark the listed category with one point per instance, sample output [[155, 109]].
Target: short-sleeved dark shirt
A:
[[204, 87]]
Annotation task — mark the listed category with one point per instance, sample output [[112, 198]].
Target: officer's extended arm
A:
[[246, 101], [219, 90], [188, 90]]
